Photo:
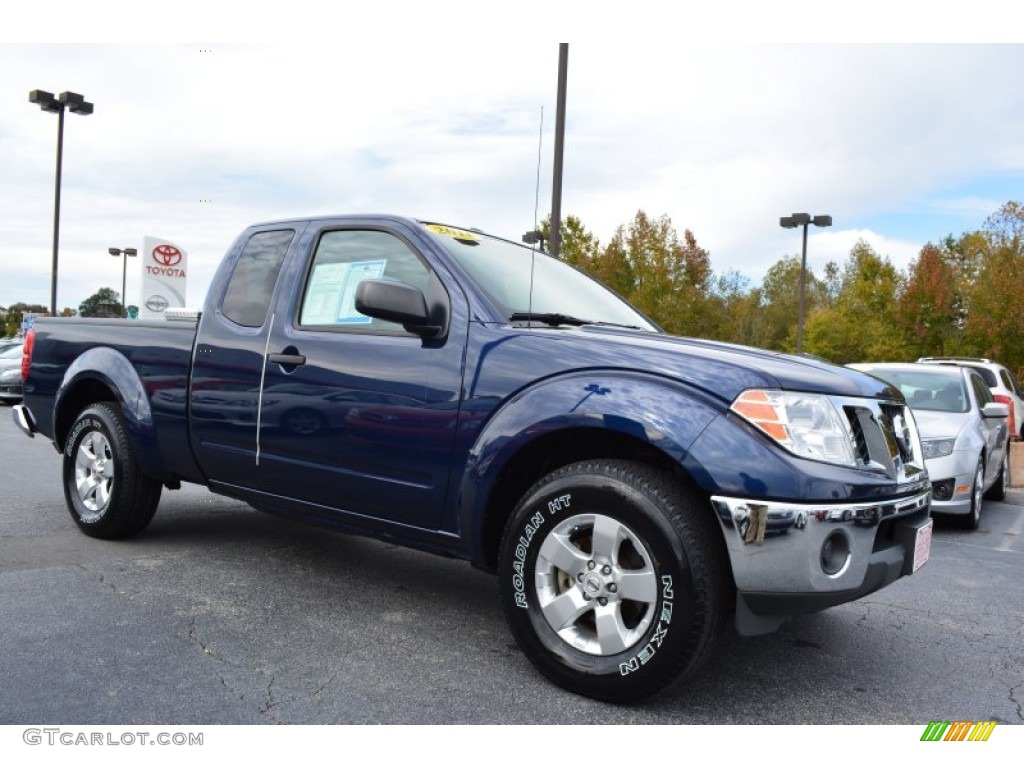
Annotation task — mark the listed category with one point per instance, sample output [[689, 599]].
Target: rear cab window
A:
[[247, 298]]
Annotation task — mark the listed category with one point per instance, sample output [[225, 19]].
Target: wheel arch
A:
[[592, 414], [102, 374]]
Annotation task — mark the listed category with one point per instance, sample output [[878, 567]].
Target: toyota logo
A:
[[166, 255], [157, 303]]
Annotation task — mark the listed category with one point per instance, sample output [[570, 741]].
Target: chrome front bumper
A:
[[796, 558]]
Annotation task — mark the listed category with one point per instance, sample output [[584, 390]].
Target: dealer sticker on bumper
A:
[[922, 545]]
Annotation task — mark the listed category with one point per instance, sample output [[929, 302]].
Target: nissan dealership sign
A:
[[164, 276]]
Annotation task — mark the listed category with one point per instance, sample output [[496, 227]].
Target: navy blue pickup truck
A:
[[463, 394]]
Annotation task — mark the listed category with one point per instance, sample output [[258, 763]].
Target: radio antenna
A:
[[536, 227]]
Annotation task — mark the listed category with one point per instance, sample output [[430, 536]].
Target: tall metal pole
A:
[[56, 211], [800, 319], [556, 189], [124, 277]]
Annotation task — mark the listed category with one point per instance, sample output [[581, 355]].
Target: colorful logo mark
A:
[[958, 730]]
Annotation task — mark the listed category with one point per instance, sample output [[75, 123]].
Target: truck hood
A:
[[728, 369]]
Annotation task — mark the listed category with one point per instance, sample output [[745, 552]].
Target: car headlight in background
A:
[[12, 375], [934, 449], [808, 425]]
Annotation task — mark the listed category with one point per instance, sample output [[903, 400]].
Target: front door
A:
[[358, 415]]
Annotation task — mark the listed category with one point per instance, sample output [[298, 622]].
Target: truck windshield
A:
[[561, 294]]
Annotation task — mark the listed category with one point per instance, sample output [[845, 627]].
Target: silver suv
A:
[[1000, 380]]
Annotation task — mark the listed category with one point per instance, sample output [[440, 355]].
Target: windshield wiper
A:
[[556, 318], [551, 318]]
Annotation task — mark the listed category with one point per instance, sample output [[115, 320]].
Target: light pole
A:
[[48, 103], [792, 222], [126, 252]]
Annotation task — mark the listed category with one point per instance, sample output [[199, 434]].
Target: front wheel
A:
[[998, 490], [613, 579], [973, 518], [106, 493]]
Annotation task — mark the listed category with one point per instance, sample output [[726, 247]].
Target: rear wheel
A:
[[106, 493], [612, 579]]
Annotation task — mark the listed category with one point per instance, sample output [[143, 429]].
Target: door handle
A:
[[283, 359]]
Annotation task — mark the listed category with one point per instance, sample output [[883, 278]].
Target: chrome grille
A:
[[884, 436]]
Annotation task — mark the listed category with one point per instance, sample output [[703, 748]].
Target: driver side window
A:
[[343, 259]]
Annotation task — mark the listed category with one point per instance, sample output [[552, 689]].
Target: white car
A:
[[1000, 380], [963, 432]]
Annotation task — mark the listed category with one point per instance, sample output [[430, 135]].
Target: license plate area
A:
[[922, 546]]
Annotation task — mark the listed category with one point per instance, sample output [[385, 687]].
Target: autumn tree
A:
[[928, 309]]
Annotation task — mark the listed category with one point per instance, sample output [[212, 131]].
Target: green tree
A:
[[862, 324], [780, 308], [737, 311], [579, 247], [106, 301], [1006, 226], [10, 324]]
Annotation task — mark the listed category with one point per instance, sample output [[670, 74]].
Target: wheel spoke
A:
[[84, 459], [561, 553], [99, 445], [607, 536], [641, 586], [611, 632], [102, 494], [86, 485], [565, 609]]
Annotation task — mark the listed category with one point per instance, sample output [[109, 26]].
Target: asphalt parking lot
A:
[[220, 614]]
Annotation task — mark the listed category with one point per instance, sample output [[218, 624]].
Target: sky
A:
[[723, 123]]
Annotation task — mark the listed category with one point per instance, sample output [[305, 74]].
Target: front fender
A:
[[112, 370], [660, 412]]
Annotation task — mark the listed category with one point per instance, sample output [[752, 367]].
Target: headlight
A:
[[808, 425], [12, 375], [933, 449]]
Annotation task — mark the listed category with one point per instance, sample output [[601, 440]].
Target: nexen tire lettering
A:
[[664, 619]]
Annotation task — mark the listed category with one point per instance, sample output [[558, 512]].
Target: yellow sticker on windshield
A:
[[458, 234]]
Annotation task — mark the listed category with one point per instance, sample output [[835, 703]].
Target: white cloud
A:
[[722, 138]]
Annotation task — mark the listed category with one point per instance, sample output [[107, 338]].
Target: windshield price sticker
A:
[[458, 234]]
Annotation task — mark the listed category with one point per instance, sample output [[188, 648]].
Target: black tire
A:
[[668, 557], [106, 493], [972, 519], [998, 490]]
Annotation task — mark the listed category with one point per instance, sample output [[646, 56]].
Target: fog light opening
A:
[[835, 553]]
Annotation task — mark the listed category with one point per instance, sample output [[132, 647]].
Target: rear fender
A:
[[107, 368]]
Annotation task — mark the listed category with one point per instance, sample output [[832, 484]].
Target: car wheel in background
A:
[[998, 490]]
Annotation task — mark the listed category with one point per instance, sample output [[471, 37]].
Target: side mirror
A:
[[396, 302], [995, 411]]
